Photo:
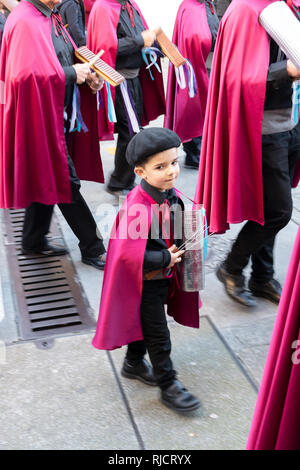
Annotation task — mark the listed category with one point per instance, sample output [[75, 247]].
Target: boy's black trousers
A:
[[156, 333]]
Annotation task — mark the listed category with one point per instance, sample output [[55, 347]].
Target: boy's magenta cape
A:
[[119, 321], [276, 423], [230, 174], [102, 34], [33, 159], [192, 35]]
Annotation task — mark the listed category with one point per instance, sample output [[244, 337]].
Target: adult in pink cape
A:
[[37, 170], [251, 148], [195, 32], [119, 28], [276, 424]]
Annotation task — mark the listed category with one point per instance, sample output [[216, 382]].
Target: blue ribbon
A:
[[153, 53], [110, 103], [296, 104], [76, 109]]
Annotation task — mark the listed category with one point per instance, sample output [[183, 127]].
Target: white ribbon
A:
[[131, 113], [191, 81], [180, 77]]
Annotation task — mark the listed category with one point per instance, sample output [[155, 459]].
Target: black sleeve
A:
[[71, 17], [277, 71], [156, 259], [130, 45], [70, 75]]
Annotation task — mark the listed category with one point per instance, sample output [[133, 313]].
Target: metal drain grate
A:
[[49, 296]]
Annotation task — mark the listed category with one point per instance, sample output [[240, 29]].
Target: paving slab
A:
[[207, 369], [66, 397]]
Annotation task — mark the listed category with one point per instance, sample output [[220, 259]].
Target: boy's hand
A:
[[175, 255]]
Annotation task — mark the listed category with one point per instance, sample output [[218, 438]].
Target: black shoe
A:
[[179, 398], [98, 262], [48, 250], [235, 287], [270, 290], [141, 371]]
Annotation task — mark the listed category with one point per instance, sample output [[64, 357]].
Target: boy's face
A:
[[161, 170]]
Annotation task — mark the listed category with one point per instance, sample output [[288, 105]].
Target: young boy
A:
[[141, 272]]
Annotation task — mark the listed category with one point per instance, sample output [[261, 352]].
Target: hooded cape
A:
[[276, 423], [192, 36], [102, 34], [230, 175], [33, 158], [119, 320]]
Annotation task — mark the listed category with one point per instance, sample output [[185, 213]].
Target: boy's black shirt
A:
[[157, 255]]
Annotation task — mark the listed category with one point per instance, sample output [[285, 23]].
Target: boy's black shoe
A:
[[270, 290], [141, 371], [235, 286], [179, 398], [47, 250]]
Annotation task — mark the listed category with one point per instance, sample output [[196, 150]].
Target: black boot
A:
[[179, 398], [270, 290], [235, 286], [141, 371]]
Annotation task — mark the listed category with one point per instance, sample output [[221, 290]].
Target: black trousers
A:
[[156, 333], [79, 217], [280, 153], [192, 149], [123, 175]]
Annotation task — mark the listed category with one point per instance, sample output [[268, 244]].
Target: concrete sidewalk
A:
[[64, 394]]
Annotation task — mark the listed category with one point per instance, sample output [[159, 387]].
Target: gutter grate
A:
[[49, 297]]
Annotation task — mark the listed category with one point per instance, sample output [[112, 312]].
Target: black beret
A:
[[149, 142]]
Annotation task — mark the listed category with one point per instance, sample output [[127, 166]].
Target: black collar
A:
[[42, 7], [158, 196]]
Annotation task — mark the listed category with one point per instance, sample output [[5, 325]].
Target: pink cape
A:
[[33, 160], [102, 34], [276, 421], [119, 316], [192, 36], [230, 175], [88, 5]]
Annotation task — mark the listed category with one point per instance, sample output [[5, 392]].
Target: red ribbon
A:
[[131, 13], [164, 218], [58, 26], [211, 7]]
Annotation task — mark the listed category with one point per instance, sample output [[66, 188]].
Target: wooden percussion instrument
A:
[[169, 49], [101, 68]]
